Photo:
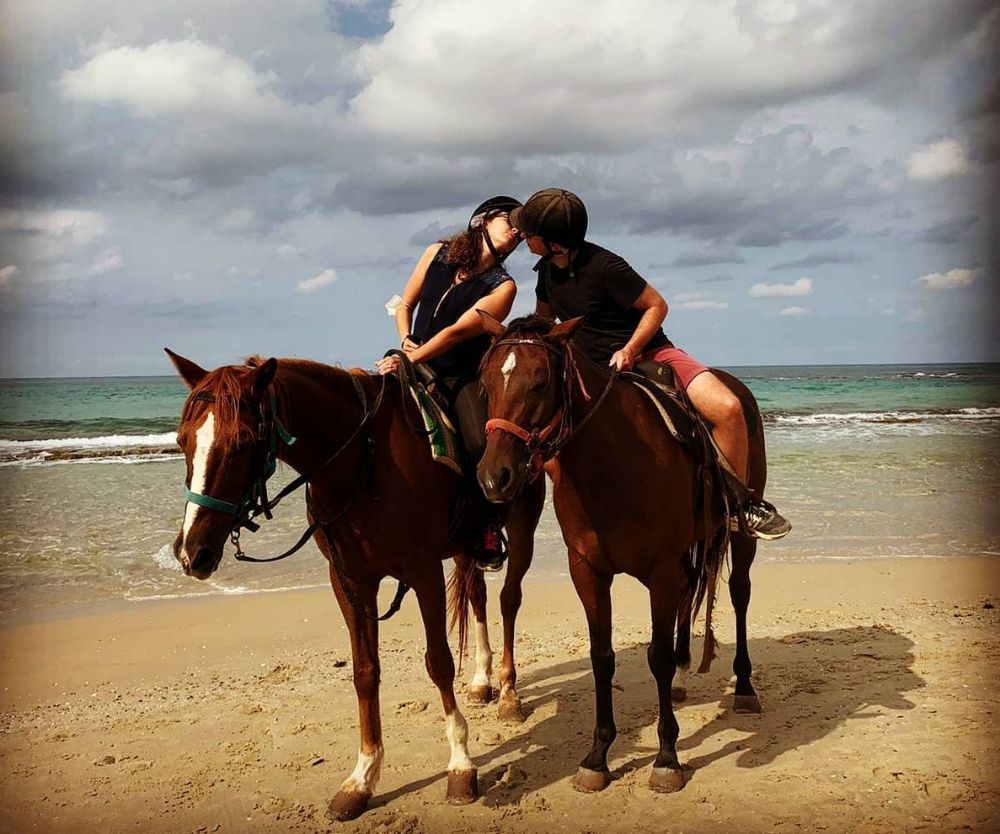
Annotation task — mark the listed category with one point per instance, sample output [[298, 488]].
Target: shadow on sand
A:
[[868, 669]]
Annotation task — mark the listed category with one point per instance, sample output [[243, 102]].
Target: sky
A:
[[806, 182]]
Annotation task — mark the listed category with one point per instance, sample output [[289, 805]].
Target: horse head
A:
[[223, 434], [526, 377]]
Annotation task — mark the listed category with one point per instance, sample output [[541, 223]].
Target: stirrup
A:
[[492, 551]]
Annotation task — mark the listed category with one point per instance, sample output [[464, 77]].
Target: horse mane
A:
[[532, 325], [227, 385]]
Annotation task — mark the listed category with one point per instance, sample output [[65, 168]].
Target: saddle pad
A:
[[656, 382], [440, 432]]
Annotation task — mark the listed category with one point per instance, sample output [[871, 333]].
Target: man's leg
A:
[[722, 408]]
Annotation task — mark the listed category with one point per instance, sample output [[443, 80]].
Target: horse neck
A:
[[319, 406]]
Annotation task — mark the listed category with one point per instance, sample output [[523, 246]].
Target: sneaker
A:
[[761, 520], [491, 552]]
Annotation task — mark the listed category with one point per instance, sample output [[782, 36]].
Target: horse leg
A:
[[356, 791], [480, 687], [463, 785], [744, 548], [667, 775], [682, 656], [594, 590], [520, 525]]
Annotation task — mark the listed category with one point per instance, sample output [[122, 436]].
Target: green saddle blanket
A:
[[441, 434]]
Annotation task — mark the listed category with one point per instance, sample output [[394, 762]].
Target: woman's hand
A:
[[387, 365], [409, 345]]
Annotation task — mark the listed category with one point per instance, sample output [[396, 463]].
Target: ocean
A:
[[867, 461]]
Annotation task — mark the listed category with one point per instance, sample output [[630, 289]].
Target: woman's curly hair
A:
[[465, 249]]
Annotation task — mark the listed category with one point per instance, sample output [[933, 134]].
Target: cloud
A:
[[183, 276], [686, 259], [286, 250], [639, 72], [715, 279], [108, 262], [704, 304], [950, 280], [70, 226], [324, 279], [820, 259], [432, 233], [949, 231], [938, 161], [7, 274], [237, 221], [171, 78], [793, 311], [804, 286]]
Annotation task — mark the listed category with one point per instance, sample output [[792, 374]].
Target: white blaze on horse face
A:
[[484, 656], [458, 738], [204, 439], [508, 368], [366, 772]]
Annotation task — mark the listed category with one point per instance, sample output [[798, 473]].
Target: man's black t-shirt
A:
[[602, 286]]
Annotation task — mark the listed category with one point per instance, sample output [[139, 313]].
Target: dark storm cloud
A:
[[821, 259], [950, 231], [687, 259]]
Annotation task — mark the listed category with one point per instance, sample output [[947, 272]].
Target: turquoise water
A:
[[867, 461]]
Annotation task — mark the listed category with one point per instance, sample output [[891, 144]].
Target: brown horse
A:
[[623, 491], [382, 508]]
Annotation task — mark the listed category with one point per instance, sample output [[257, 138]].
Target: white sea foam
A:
[[834, 418], [112, 441]]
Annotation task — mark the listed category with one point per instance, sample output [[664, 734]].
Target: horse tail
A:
[[713, 557], [461, 586]]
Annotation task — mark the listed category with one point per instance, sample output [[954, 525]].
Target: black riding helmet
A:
[[486, 211], [555, 215]]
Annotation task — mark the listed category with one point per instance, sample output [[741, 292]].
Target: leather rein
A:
[[545, 443]]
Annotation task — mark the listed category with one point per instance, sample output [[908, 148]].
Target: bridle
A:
[[256, 502], [543, 444]]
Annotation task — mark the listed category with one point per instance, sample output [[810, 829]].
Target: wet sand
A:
[[237, 714]]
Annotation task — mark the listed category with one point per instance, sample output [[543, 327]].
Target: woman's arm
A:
[[411, 295], [469, 325], [498, 304]]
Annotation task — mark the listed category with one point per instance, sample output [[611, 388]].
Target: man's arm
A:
[[654, 307]]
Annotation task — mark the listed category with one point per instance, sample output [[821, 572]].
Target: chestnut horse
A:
[[624, 495], [381, 506]]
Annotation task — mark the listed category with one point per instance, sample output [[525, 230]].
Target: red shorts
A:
[[685, 367]]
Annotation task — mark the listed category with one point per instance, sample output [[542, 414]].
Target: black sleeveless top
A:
[[442, 303]]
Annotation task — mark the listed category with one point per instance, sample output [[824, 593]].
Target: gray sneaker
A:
[[762, 521]]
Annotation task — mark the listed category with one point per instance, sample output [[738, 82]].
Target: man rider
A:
[[624, 314]]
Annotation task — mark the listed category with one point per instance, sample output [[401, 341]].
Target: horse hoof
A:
[[746, 704], [480, 695], [678, 694], [510, 711], [463, 787], [348, 805], [591, 781], [666, 779]]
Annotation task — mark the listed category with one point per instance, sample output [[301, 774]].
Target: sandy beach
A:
[[237, 714]]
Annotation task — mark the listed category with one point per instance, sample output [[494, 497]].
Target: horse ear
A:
[[491, 325], [263, 375], [565, 330], [191, 373]]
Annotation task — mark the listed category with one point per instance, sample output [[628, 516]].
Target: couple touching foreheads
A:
[[439, 325]]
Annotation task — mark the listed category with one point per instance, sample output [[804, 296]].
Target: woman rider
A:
[[452, 280]]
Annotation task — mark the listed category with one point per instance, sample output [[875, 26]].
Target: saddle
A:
[[715, 485]]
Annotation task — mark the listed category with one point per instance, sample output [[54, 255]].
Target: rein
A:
[[560, 428]]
